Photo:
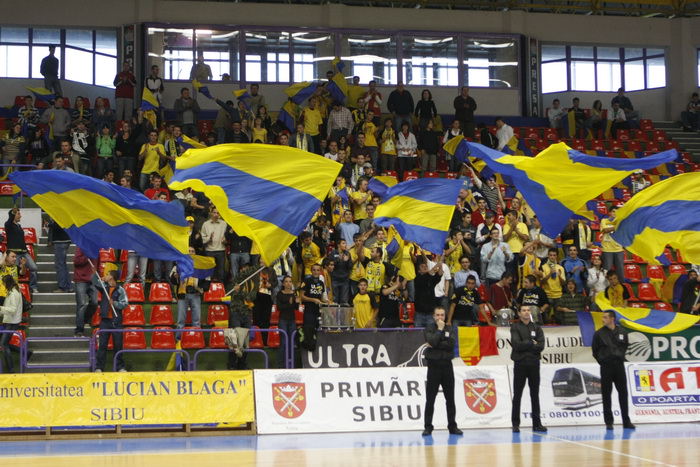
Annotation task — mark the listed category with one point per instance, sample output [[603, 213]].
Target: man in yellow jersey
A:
[[365, 313], [152, 153]]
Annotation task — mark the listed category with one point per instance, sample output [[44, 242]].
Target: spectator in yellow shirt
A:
[[515, 234], [312, 118], [152, 153], [359, 256], [369, 129], [613, 254], [552, 278], [365, 314], [360, 199], [310, 252]]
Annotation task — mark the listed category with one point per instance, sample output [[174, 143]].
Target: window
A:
[[430, 61], [491, 62], [267, 57], [371, 57], [216, 46], [313, 53]]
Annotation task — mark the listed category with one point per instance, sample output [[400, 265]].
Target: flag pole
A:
[[246, 279], [109, 299]]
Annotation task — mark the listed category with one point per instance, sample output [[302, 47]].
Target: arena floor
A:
[[657, 444]]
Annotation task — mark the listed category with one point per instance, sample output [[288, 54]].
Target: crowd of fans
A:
[[496, 256]]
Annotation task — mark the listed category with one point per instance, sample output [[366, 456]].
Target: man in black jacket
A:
[[441, 342], [609, 347], [465, 105], [527, 340], [424, 289], [16, 243]]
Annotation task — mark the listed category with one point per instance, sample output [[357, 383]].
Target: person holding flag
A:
[[111, 305]]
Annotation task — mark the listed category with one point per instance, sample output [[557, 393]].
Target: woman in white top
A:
[[11, 312], [597, 281], [407, 147]]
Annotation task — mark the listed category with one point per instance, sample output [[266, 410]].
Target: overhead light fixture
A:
[[486, 45], [225, 36], [316, 39]]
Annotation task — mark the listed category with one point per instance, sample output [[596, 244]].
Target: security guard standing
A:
[[609, 347], [527, 340], [242, 297], [441, 343]]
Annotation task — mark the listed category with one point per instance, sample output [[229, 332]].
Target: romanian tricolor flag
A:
[[96, 214], [379, 184], [246, 183], [42, 94], [476, 342], [559, 181], [421, 210], [201, 88], [300, 92], [666, 213]]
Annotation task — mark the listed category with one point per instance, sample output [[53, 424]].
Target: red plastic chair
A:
[[430, 175], [124, 256], [161, 315], [631, 292], [391, 173], [677, 269], [647, 293], [410, 175], [15, 340], [679, 258], [160, 293], [256, 341], [30, 236], [164, 338], [134, 292], [275, 315], [633, 273], [108, 256], [192, 338], [216, 339], [623, 135], [133, 316], [217, 312], [655, 272], [273, 338], [663, 306], [451, 175], [134, 340], [215, 293], [602, 208], [30, 250]]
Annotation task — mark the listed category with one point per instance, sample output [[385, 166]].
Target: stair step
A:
[[61, 356], [50, 331], [62, 344]]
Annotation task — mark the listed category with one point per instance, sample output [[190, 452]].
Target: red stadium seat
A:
[[646, 124], [637, 305], [134, 339], [134, 292], [30, 250], [631, 292], [601, 208], [275, 315], [647, 293], [679, 258], [164, 338], [655, 272], [160, 293], [391, 173], [216, 339], [215, 293], [428, 175], [192, 338], [451, 175], [217, 312], [663, 306], [273, 338], [24, 288], [623, 135], [161, 315], [256, 341], [30, 236], [551, 134], [108, 256], [16, 340], [677, 269], [659, 135], [616, 146], [409, 175], [483, 293], [634, 146], [597, 145], [633, 273], [133, 316]]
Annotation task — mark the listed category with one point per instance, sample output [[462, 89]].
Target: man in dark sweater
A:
[[609, 347], [400, 104], [49, 70], [16, 243], [465, 105], [424, 285], [440, 338], [527, 340]]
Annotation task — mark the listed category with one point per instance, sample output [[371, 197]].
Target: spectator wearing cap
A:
[[340, 122], [639, 182], [369, 170]]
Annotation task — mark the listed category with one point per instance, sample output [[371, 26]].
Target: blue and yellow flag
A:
[[288, 115], [394, 247], [203, 266], [338, 87], [338, 64], [149, 101], [202, 89], [242, 95], [459, 148], [300, 92], [267, 193], [188, 143], [666, 213], [421, 210], [638, 319], [97, 214], [379, 184], [559, 181], [568, 124], [42, 94]]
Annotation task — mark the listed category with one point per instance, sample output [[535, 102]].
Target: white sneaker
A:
[[98, 371], [123, 370]]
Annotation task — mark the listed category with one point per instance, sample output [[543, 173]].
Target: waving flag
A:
[[394, 247], [338, 87], [338, 64], [203, 266], [201, 88], [288, 115], [420, 210], [559, 181], [42, 94], [666, 213], [267, 193], [97, 214], [300, 92], [459, 148], [188, 143], [149, 101], [379, 184], [242, 95]]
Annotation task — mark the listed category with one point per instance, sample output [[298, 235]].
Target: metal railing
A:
[[21, 347]]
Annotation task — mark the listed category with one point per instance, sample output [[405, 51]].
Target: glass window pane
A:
[[633, 53], [582, 76], [553, 77], [38, 54], [609, 76], [270, 52], [171, 49], [492, 62], [14, 61], [634, 75], [220, 50], [656, 73], [79, 66], [79, 38], [430, 61], [105, 70], [46, 36], [9, 34], [608, 53], [313, 53], [553, 52], [655, 52], [106, 41], [581, 52], [370, 57]]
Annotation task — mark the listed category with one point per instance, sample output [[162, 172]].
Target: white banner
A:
[[668, 392], [374, 399], [563, 345], [569, 395]]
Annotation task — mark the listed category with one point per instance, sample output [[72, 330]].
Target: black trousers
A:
[[526, 371], [614, 373], [440, 374]]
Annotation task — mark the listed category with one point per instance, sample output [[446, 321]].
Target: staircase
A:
[[53, 316], [689, 141]]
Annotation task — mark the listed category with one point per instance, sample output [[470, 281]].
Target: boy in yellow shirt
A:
[[310, 252], [151, 153], [365, 314]]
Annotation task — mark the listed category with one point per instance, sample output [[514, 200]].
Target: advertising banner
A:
[[374, 399], [684, 345], [93, 399], [667, 392], [563, 345], [366, 349]]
